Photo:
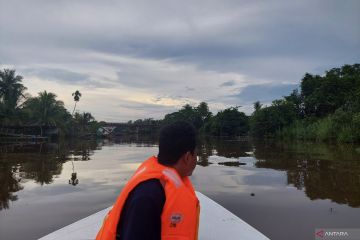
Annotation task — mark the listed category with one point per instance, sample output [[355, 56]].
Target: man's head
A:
[[177, 143]]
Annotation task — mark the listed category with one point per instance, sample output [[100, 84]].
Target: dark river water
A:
[[285, 190]]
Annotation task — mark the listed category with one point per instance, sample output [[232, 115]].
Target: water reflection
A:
[[20, 163], [225, 147], [10, 183], [73, 180], [136, 139], [321, 171], [232, 164]]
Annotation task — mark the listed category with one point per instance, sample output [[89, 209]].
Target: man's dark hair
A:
[[176, 139]]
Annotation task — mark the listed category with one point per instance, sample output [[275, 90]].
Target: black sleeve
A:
[[141, 216]]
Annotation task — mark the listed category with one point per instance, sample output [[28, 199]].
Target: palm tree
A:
[[203, 111], [77, 96], [45, 110], [11, 94], [257, 106], [83, 121]]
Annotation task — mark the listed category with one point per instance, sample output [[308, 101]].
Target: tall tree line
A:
[[324, 108], [327, 108], [17, 108]]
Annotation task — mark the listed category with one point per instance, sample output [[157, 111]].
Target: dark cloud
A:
[[261, 41], [64, 76], [57, 74], [223, 37], [263, 92], [228, 83]]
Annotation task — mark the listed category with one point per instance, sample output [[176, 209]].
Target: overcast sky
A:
[[144, 59]]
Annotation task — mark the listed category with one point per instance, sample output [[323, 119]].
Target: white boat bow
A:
[[216, 223]]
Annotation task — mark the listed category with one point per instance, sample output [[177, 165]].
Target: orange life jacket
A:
[[180, 216]]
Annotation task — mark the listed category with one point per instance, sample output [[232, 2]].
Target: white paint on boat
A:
[[216, 223]]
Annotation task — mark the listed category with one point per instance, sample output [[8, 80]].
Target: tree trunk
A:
[[74, 108]]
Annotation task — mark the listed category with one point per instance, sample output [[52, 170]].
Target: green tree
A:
[[295, 99], [76, 96], [11, 94], [186, 113], [84, 121], [269, 120], [257, 106], [229, 122], [44, 110], [203, 110], [326, 109], [339, 87]]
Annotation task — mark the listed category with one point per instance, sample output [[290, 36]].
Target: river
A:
[[285, 190]]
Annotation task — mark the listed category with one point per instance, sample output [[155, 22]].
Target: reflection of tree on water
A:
[[73, 180], [324, 172], [84, 149], [42, 167], [10, 183], [232, 148], [205, 149], [225, 147], [138, 139], [38, 162]]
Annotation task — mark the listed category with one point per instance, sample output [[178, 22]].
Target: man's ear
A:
[[182, 159], [188, 157]]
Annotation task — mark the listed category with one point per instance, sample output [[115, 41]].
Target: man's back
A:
[[141, 216]]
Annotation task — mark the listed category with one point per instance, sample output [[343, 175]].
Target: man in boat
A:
[[159, 201]]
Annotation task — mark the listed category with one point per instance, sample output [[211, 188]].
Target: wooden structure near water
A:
[[21, 134]]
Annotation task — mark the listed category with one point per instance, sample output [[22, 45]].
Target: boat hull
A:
[[216, 223]]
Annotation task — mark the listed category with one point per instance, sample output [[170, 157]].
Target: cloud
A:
[[65, 77], [264, 93], [173, 51], [228, 83], [145, 107], [56, 74]]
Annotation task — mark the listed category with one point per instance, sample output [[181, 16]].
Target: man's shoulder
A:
[[149, 189]]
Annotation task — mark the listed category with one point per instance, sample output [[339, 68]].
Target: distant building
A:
[[105, 131]]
